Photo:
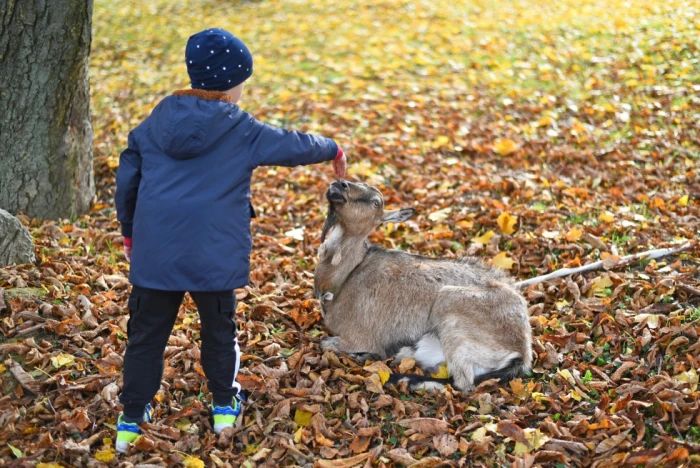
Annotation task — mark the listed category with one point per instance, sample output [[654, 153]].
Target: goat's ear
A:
[[398, 216]]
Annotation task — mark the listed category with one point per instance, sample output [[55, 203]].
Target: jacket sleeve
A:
[[272, 146], [128, 179]]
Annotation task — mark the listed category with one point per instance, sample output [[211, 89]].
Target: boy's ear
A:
[[398, 216]]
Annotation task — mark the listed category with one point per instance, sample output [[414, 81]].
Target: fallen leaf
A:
[[574, 234], [105, 455], [428, 426], [442, 372], [606, 217], [440, 215], [446, 444], [302, 418], [503, 261], [62, 360], [507, 222], [484, 238], [504, 146]]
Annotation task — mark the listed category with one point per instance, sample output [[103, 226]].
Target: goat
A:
[[383, 303]]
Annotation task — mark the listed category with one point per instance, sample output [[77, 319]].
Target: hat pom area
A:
[[217, 60]]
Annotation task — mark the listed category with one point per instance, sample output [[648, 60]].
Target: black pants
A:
[[152, 314]]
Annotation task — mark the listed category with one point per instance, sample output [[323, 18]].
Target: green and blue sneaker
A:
[[226, 416], [129, 432]]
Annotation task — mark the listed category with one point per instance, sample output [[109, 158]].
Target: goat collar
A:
[[204, 94]]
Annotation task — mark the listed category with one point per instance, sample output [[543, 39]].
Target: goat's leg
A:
[[471, 339], [338, 345]]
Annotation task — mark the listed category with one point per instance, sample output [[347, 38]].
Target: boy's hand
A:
[[127, 248], [340, 163]]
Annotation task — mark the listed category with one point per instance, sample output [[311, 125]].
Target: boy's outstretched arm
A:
[[272, 146], [128, 179]]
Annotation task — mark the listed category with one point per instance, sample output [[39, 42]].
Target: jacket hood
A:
[[191, 121]]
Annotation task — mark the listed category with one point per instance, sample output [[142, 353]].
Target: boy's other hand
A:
[[127, 248], [340, 163]]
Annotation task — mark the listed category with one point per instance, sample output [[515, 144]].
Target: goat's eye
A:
[[376, 204]]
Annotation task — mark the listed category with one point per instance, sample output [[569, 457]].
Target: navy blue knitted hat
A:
[[217, 60]]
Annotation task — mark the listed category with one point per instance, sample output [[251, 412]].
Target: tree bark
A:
[[46, 167]]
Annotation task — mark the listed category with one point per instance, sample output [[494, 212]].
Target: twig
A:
[[649, 254], [689, 289]]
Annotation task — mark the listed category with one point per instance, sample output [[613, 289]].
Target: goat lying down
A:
[[386, 303]]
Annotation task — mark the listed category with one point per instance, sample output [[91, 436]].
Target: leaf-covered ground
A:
[[535, 134]]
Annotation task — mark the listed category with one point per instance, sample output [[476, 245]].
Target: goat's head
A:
[[358, 208]]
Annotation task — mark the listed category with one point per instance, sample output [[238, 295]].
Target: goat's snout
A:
[[335, 191]]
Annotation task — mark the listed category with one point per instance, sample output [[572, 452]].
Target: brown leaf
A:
[[428, 426], [343, 462], [24, 379], [363, 438], [515, 432], [401, 455], [446, 444], [80, 419], [611, 442]]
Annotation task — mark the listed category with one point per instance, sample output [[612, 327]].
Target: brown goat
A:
[[387, 303]]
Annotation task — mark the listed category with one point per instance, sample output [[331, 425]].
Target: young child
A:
[[183, 200]]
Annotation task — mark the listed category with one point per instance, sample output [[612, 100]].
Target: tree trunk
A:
[[46, 166]]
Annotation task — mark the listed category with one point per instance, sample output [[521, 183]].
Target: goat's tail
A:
[[511, 370]]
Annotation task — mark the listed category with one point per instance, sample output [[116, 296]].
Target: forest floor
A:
[[532, 134]]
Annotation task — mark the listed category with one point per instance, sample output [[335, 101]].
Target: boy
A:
[[183, 200]]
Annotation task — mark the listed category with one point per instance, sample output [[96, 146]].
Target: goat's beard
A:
[[331, 220]]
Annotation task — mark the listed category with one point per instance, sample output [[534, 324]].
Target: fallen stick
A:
[[649, 254]]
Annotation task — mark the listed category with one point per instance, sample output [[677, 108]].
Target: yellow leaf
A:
[[690, 377], [464, 224], [683, 201], [2, 368], [48, 465], [106, 455], [484, 238], [574, 234], [507, 222], [192, 462], [520, 449], [302, 418], [250, 449], [479, 434], [502, 261], [504, 147], [383, 376], [107, 441], [600, 284], [440, 215], [442, 140], [297, 435], [442, 372], [606, 217], [62, 360], [575, 395]]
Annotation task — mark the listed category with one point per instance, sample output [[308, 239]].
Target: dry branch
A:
[[626, 260]]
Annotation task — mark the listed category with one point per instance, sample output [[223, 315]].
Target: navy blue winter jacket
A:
[[183, 189]]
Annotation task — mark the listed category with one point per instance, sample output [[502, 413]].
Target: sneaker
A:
[[226, 416], [128, 433]]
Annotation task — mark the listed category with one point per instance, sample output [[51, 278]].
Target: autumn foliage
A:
[[535, 135]]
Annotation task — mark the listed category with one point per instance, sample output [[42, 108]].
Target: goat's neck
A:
[[339, 255]]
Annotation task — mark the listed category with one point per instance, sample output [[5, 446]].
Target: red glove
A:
[[340, 163], [127, 248]]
